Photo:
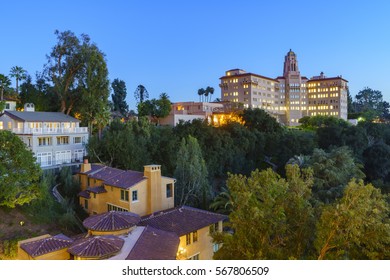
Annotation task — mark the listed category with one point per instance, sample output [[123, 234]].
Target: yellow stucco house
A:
[[132, 217], [105, 188]]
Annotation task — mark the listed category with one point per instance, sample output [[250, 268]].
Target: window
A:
[[188, 238], [63, 140], [111, 207], [124, 195], [194, 236], [44, 141], [9, 125], [214, 228], [7, 106], [44, 159], [169, 190], [215, 247], [85, 203], [1, 125], [77, 140], [134, 196]]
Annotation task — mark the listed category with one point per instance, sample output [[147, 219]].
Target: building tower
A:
[[293, 86]]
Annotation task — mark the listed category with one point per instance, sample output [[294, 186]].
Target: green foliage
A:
[[377, 161], [356, 226], [141, 94], [260, 120], [271, 216], [69, 186], [191, 187], [155, 108], [119, 97], [19, 174], [19, 74], [332, 172], [10, 248]]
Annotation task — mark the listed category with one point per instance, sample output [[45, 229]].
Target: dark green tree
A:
[[191, 173], [155, 108], [141, 94], [376, 161], [119, 97], [19, 174], [260, 120], [93, 85], [65, 66], [332, 172], [201, 93], [5, 82]]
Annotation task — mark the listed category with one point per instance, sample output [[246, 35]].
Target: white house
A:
[[54, 138]]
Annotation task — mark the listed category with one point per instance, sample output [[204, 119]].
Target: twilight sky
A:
[[178, 47]]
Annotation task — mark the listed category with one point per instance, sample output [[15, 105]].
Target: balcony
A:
[[50, 130]]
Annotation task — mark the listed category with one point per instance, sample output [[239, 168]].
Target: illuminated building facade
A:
[[289, 97]]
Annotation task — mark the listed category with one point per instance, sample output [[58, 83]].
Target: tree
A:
[[64, 67], [191, 174], [119, 97], [208, 92], [19, 174], [5, 82], [93, 85], [260, 120], [141, 94], [369, 103], [332, 172], [156, 108], [19, 74], [201, 93], [271, 217], [356, 226], [376, 161]]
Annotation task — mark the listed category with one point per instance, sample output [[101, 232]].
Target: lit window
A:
[[188, 238], [1, 126], [195, 236]]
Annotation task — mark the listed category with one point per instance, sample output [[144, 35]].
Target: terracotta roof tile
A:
[[126, 179], [182, 220], [111, 221], [46, 245], [105, 173], [96, 246], [155, 244]]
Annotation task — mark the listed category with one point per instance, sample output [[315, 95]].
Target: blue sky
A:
[[178, 47]]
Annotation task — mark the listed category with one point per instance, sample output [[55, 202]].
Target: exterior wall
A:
[[328, 97], [203, 247], [52, 152]]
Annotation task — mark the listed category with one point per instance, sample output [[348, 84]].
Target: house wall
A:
[[203, 247]]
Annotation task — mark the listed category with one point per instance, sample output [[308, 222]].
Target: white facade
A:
[[54, 138]]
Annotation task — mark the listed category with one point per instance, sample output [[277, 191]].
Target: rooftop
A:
[[46, 245], [40, 116], [182, 220], [96, 247], [111, 221]]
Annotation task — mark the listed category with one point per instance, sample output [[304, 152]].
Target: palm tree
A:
[[222, 202], [5, 82], [19, 74], [102, 119], [209, 91], [201, 92]]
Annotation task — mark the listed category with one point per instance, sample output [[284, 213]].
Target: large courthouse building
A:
[[289, 97]]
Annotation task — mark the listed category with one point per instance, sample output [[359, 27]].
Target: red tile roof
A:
[[96, 246], [84, 194], [104, 173], [46, 245], [111, 221], [155, 244], [126, 179], [182, 220]]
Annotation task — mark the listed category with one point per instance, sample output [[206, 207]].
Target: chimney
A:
[[154, 190], [85, 166], [29, 107]]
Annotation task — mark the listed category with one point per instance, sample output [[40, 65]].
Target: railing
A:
[[50, 130]]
